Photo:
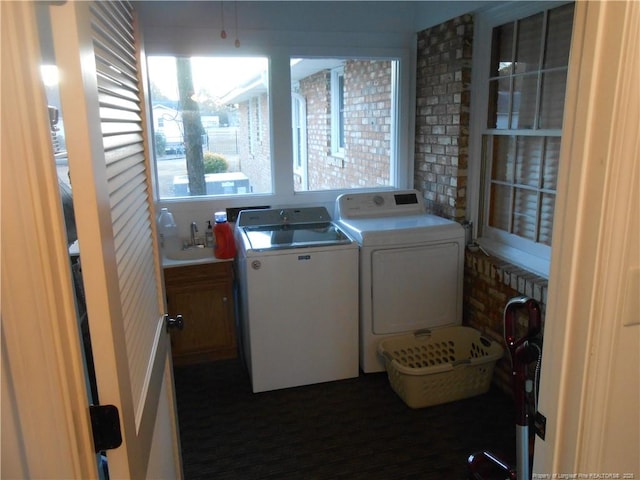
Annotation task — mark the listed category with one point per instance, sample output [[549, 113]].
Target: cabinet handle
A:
[[224, 299], [176, 322]]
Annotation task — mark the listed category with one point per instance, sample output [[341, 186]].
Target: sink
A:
[[190, 254]]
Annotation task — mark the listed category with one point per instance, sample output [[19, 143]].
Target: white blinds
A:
[[523, 182]]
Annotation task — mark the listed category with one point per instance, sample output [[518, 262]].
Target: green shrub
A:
[[160, 143], [215, 163]]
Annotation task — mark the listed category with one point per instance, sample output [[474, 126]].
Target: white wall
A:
[[283, 29], [312, 23], [590, 382]]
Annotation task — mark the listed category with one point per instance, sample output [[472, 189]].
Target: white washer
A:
[[411, 266], [298, 276]]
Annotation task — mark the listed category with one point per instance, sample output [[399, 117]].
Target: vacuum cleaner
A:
[[520, 336]]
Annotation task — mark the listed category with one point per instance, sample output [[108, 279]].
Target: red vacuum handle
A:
[[510, 324], [522, 353]]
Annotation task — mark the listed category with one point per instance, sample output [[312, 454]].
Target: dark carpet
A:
[[349, 429]]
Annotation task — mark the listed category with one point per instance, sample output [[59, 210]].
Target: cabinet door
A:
[[205, 314], [203, 296]]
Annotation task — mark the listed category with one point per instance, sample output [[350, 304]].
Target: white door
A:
[[96, 52], [302, 316], [415, 287]]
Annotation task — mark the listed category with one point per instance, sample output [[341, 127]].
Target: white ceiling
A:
[[312, 16]]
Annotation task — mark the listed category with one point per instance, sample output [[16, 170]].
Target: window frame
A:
[[253, 124], [526, 254], [337, 112], [279, 79], [536, 248], [299, 142]]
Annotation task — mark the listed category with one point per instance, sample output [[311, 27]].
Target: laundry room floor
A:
[[349, 429]]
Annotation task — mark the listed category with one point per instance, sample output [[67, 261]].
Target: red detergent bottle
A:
[[225, 244]]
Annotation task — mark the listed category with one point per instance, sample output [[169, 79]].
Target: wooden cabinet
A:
[[203, 295]]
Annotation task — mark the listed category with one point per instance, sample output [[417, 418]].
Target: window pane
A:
[[528, 160], [524, 101], [503, 158], [500, 207], [559, 36], [547, 205], [517, 161], [529, 42], [552, 103], [341, 111], [525, 208], [502, 58], [551, 160], [211, 125], [500, 91], [361, 118]]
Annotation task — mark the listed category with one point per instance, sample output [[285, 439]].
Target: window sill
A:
[[520, 258], [336, 161], [520, 279]]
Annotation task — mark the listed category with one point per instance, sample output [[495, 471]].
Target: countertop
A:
[[74, 251], [170, 263]]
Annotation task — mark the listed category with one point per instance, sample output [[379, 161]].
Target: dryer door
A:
[[416, 287]]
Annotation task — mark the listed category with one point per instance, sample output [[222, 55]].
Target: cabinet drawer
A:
[[194, 274]]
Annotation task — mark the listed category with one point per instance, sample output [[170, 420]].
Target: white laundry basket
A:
[[430, 367]]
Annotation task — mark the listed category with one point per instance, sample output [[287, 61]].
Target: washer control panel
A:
[[380, 204]]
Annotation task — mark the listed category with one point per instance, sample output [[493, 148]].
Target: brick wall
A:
[[367, 107], [442, 116], [254, 149], [441, 161], [316, 89], [488, 284]]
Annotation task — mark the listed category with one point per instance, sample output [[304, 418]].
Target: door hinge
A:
[[105, 423], [540, 425]]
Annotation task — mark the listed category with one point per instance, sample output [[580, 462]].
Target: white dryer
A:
[[411, 266]]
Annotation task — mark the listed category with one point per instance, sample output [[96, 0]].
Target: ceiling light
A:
[[50, 75]]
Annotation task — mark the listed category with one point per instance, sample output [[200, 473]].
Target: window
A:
[[299, 134], [210, 125], [348, 123], [343, 125], [337, 111], [522, 136]]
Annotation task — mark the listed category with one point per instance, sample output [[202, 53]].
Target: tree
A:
[[160, 143], [193, 129], [156, 93]]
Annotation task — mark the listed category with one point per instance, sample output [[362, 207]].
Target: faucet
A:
[[194, 230]]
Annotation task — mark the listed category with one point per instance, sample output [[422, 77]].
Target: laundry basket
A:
[[430, 367]]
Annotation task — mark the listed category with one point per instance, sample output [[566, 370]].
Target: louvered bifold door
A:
[[104, 119], [121, 120]]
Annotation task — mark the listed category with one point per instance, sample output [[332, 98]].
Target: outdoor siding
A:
[[367, 123], [254, 148], [367, 93], [316, 89]]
